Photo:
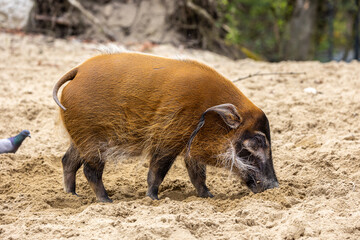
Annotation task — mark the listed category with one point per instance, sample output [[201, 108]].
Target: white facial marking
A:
[[231, 160]]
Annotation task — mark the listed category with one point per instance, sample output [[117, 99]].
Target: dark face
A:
[[254, 148]]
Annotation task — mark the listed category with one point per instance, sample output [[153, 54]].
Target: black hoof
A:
[[153, 193], [72, 193], [206, 195], [152, 196]]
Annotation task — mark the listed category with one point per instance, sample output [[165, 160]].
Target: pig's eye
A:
[[259, 141]]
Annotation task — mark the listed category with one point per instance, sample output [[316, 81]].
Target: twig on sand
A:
[[103, 28], [264, 74]]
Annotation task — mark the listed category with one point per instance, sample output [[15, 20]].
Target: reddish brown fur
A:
[[134, 103], [142, 102]]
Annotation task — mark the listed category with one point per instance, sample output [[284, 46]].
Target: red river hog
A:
[[133, 104]]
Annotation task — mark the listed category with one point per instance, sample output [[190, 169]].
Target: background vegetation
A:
[[292, 29], [271, 30]]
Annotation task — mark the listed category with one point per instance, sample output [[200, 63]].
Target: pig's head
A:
[[248, 151]]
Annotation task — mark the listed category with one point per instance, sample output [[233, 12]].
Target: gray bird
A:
[[12, 144]]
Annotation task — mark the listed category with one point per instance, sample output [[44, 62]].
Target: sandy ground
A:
[[316, 150]]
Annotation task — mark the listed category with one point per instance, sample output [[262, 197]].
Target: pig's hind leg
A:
[[197, 174], [159, 166], [71, 162], [93, 171]]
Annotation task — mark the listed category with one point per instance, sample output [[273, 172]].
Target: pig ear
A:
[[226, 111]]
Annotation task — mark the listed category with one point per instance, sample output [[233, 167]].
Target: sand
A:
[[316, 152]]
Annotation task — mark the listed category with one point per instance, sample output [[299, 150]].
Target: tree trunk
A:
[[302, 23], [356, 31]]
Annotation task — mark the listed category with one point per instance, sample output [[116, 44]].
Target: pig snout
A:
[[261, 186]]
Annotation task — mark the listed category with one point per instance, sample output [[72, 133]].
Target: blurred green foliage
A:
[[262, 26]]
